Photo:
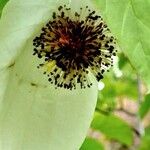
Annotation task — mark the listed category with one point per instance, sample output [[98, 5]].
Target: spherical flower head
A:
[[73, 45]]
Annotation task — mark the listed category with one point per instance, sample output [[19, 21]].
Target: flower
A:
[[33, 114], [74, 44]]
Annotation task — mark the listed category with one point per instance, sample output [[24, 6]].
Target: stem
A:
[[139, 100]]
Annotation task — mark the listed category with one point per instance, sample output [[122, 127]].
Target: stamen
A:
[[74, 45]]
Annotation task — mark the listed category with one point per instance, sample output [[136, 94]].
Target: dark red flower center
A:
[[73, 47]]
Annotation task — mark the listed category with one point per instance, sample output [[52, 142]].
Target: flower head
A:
[[74, 45]]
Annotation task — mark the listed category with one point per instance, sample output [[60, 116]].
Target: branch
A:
[[126, 112], [139, 100]]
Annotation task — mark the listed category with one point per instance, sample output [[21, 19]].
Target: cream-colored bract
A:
[[33, 114]]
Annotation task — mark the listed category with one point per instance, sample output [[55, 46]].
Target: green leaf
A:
[[33, 114], [120, 87], [123, 61], [130, 22], [2, 4], [113, 127], [145, 106], [91, 144], [145, 141]]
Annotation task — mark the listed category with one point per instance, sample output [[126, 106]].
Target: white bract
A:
[[33, 114]]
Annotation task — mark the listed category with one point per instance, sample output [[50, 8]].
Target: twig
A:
[[125, 111], [139, 100]]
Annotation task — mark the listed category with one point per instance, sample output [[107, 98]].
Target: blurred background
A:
[[122, 117]]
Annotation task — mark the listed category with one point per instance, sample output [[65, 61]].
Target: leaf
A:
[[145, 106], [145, 141], [120, 87], [91, 144], [123, 61], [33, 114], [113, 127], [2, 4], [129, 21]]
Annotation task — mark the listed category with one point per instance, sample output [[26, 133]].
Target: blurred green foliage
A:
[[113, 127], [125, 86], [105, 121], [145, 142], [91, 144], [145, 106]]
